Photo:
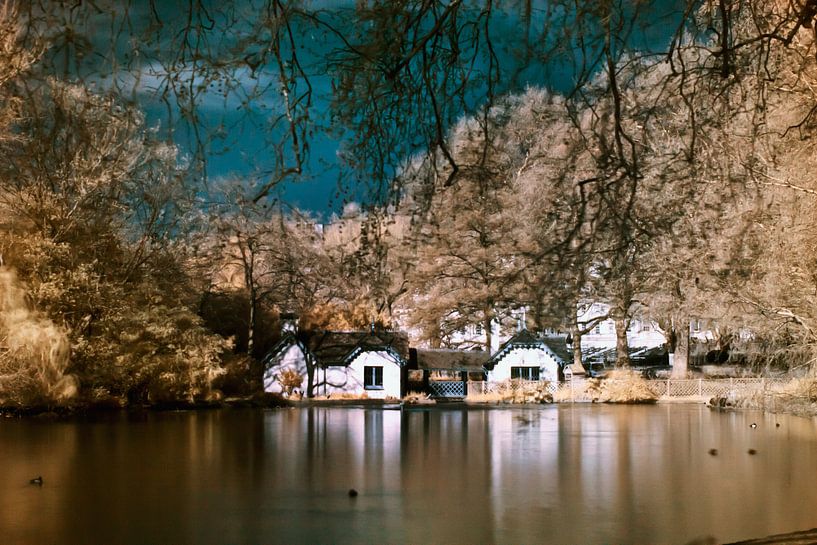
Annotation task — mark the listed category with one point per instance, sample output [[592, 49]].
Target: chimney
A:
[[289, 322]]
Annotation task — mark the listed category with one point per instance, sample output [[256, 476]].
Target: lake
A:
[[556, 474]]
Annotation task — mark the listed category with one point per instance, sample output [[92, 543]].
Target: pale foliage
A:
[[290, 379], [87, 200], [623, 386], [356, 315], [515, 391], [34, 352]]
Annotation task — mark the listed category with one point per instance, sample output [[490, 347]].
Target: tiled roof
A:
[[452, 360], [336, 348], [555, 346], [279, 348], [558, 345]]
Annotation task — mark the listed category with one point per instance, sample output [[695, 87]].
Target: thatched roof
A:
[[449, 360]]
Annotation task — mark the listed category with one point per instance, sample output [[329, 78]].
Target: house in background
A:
[[642, 333], [505, 325], [527, 356], [343, 362]]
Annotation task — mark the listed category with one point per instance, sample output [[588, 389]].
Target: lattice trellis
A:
[[710, 387], [447, 388]]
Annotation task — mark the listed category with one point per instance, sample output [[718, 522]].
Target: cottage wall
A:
[[293, 358], [525, 357], [350, 379]]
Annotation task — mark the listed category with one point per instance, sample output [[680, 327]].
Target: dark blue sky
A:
[[242, 130]]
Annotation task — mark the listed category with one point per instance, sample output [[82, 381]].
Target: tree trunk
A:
[[248, 259], [680, 360], [622, 347], [310, 376], [488, 314], [575, 334], [251, 324]]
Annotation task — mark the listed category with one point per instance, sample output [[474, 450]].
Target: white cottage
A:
[[526, 356], [353, 363]]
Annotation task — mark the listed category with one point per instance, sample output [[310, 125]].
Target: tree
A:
[[89, 198], [465, 251]]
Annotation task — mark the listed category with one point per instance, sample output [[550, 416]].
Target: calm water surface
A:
[[560, 474]]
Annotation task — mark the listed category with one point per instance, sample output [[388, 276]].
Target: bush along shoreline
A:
[[78, 407], [797, 397]]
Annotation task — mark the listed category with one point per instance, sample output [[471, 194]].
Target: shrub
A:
[[516, 391], [624, 386], [290, 379]]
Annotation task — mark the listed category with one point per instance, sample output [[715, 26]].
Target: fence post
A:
[[572, 400], [668, 387], [700, 387]]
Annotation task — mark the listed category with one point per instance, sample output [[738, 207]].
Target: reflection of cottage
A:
[[526, 356], [342, 362], [445, 373]]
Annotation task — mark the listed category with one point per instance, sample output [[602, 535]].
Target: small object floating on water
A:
[[753, 425], [777, 424], [37, 480], [352, 493], [713, 451], [752, 452]]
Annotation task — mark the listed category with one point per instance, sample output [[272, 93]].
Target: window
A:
[[597, 330], [478, 329], [646, 326], [373, 377], [525, 373]]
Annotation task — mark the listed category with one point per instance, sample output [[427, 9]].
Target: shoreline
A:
[[793, 406], [89, 408]]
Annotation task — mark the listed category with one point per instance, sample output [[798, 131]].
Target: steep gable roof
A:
[[554, 346], [280, 348], [339, 348]]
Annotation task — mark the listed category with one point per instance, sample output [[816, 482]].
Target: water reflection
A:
[[583, 474]]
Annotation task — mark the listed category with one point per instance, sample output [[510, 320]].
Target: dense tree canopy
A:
[[505, 155]]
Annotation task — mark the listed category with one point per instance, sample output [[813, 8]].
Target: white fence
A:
[[711, 387], [509, 386], [577, 389]]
